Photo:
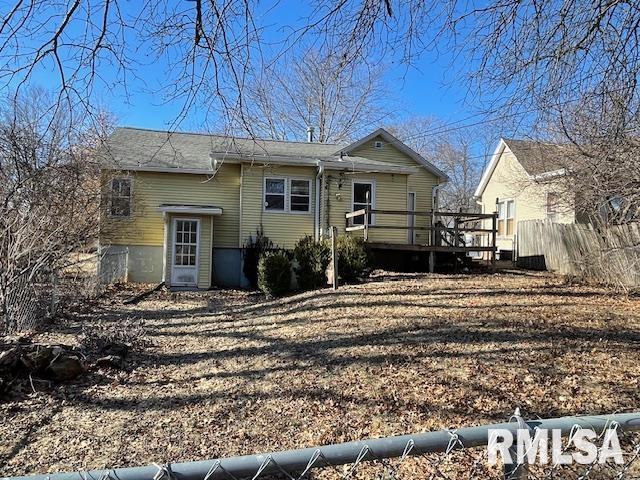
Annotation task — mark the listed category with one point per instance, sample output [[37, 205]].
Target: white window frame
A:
[[506, 217], [299, 179], [111, 197], [264, 194], [368, 181], [287, 195]]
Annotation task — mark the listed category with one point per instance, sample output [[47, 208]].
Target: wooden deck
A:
[[447, 231]]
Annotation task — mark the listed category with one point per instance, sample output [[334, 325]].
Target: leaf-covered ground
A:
[[227, 373]]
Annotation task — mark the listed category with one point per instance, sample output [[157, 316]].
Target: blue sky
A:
[[428, 88]]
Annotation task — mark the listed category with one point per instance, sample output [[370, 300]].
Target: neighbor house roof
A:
[[539, 159], [140, 149]]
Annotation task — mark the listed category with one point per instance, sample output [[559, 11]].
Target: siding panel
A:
[[284, 229], [145, 226]]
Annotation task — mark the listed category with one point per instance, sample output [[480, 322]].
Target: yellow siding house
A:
[[523, 182], [180, 207]]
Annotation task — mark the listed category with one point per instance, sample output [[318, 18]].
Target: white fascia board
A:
[[267, 159], [131, 168], [495, 158], [190, 209]]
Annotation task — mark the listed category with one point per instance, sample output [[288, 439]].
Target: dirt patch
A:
[[226, 373]]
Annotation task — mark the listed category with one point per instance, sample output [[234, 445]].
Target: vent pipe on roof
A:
[[309, 134]]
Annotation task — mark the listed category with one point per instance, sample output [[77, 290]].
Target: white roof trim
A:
[[490, 168], [419, 159], [260, 158], [190, 209], [337, 164], [141, 168]]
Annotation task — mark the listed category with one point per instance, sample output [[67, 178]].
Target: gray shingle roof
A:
[[135, 147], [539, 157]]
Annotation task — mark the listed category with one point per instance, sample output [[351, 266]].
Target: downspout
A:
[[435, 197], [318, 201]]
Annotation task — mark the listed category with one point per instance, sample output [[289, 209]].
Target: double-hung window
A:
[[506, 215], [275, 193], [120, 197], [363, 194], [282, 194], [300, 195]]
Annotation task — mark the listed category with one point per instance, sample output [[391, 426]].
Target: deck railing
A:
[[446, 229]]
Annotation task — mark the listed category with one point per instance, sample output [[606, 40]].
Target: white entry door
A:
[[411, 219], [186, 239]]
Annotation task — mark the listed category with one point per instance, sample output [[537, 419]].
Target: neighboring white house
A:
[[523, 182]]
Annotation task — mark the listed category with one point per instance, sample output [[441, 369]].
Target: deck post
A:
[[334, 256], [433, 226], [432, 261], [494, 233], [366, 216]]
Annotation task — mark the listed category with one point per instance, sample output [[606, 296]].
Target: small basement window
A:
[[274, 194], [120, 197], [300, 194]]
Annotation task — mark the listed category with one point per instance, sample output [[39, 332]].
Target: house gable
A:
[[384, 147], [504, 177]]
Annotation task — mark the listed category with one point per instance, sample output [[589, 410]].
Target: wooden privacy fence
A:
[[608, 255]]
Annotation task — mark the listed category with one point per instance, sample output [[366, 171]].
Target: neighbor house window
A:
[[360, 191], [121, 197], [299, 195], [274, 194], [552, 205], [506, 214]]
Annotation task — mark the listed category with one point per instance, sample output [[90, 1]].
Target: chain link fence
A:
[[448, 454], [29, 299], [32, 298]]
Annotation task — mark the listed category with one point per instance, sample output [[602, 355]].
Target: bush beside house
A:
[[312, 259], [274, 273], [254, 249], [353, 258]]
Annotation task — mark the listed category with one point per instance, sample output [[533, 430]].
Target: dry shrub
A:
[[112, 338]]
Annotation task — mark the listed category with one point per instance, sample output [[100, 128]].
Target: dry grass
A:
[[409, 354]]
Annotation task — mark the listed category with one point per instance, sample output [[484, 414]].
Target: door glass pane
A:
[[186, 240], [360, 192]]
